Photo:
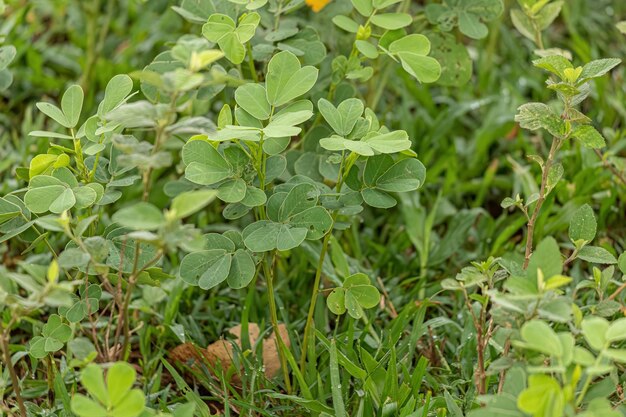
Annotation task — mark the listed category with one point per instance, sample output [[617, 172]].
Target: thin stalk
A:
[[132, 280], [251, 66], [308, 327], [586, 385], [556, 144], [619, 175], [4, 344], [269, 276]]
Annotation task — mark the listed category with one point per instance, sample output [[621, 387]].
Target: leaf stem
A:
[[543, 191], [4, 344], [268, 270], [308, 327]]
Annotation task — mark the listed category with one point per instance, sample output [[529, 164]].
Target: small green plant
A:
[[113, 397], [572, 87], [535, 16]]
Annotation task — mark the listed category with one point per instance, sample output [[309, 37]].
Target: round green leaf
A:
[[120, 379], [391, 21], [539, 336], [594, 330], [583, 225], [253, 99], [286, 80], [189, 202], [242, 270], [336, 301], [140, 216], [232, 191]]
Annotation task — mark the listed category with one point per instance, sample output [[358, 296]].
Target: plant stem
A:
[[251, 66], [556, 144], [583, 391], [132, 280], [308, 327], [268, 270], [320, 264], [619, 175], [4, 344]]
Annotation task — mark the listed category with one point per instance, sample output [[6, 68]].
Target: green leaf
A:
[[55, 328], [120, 379], [242, 270], [588, 136], [83, 406], [85, 196], [289, 237], [7, 54], [594, 330], [599, 67], [364, 7], [343, 118], [391, 21], [37, 348], [546, 257], [253, 99], [345, 23], [336, 301], [54, 113], [72, 105], [189, 202], [286, 79], [412, 51], [375, 167], [247, 26], [335, 382], [206, 268], [454, 58], [232, 191], [362, 290], [392, 142], [140, 216], [535, 116], [583, 224], [92, 379], [539, 336], [616, 331], [379, 199], [117, 89], [205, 165], [38, 200], [596, 254], [352, 306], [556, 64], [8, 210], [221, 29], [132, 405], [367, 49], [217, 27], [543, 397], [316, 220], [299, 198], [406, 175], [261, 236]]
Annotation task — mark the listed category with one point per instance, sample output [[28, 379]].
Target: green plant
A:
[[572, 87], [115, 397], [214, 208]]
